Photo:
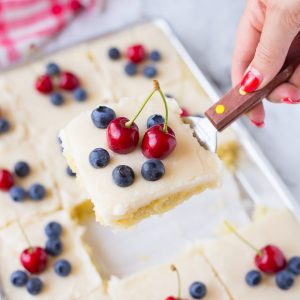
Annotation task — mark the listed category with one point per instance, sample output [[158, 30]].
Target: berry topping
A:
[[53, 229], [270, 259], [184, 112], [34, 259], [52, 69], [68, 81], [123, 176], [171, 298], [4, 125], [154, 120], [153, 169], [136, 53], [253, 278], [99, 158], [34, 286], [197, 290], [155, 55], [19, 278], [22, 169], [80, 94], [17, 193], [62, 268], [122, 138], [54, 247], [102, 116], [75, 5], [57, 98], [36, 191], [130, 69], [44, 84], [294, 265], [114, 53], [6, 180], [157, 143], [70, 172], [284, 279], [149, 71]]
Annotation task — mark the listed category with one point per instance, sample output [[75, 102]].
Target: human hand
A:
[[268, 33]]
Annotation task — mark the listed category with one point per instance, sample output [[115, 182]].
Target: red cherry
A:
[[136, 53], [184, 112], [121, 139], [44, 84], [157, 143], [270, 260], [6, 180], [68, 81], [34, 259]]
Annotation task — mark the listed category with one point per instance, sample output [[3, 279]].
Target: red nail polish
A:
[[258, 124], [251, 81], [289, 100]]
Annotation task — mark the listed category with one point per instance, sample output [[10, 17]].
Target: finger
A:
[[271, 51], [246, 42], [286, 93], [257, 115]]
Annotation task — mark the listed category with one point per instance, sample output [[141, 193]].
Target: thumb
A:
[[276, 38]]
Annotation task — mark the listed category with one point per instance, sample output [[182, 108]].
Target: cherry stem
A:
[[24, 235], [130, 122], [174, 269], [156, 87], [232, 229]]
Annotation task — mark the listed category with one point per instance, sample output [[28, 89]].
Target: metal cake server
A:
[[231, 106]]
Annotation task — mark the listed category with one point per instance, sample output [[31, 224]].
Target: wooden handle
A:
[[232, 105]]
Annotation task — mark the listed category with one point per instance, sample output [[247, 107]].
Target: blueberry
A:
[[22, 169], [70, 172], [99, 158], [197, 290], [155, 119], [57, 98], [80, 94], [150, 71], [34, 286], [253, 278], [294, 265], [123, 176], [17, 193], [102, 116], [54, 247], [114, 53], [62, 267], [36, 191], [153, 169], [155, 55], [284, 279], [52, 69], [19, 278], [4, 125], [130, 69], [53, 229]]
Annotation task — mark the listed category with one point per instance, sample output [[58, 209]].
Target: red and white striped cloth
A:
[[27, 24]]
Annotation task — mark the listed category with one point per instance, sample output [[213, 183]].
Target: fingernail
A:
[[289, 100], [258, 124], [251, 81]]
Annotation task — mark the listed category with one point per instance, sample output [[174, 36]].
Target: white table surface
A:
[[207, 29]]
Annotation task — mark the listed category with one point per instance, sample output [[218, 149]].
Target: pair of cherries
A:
[[66, 81], [158, 141]]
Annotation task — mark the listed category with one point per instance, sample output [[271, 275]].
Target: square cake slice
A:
[[160, 282], [82, 282], [232, 259], [189, 169]]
